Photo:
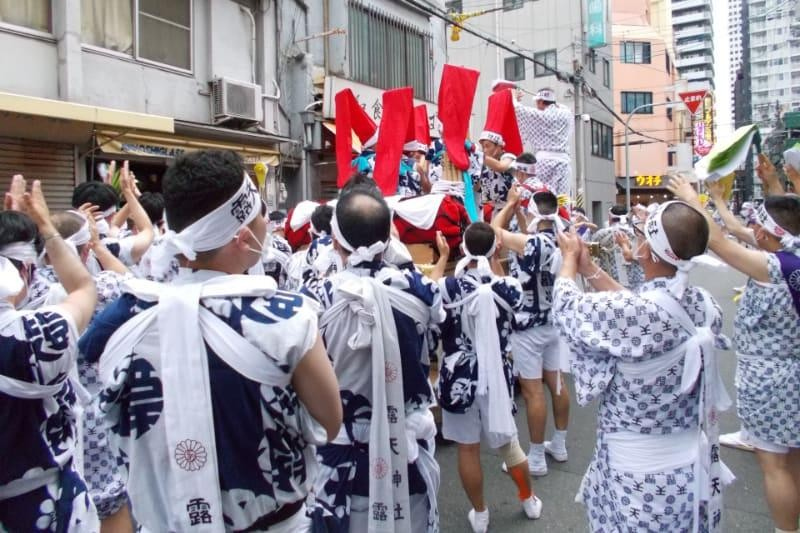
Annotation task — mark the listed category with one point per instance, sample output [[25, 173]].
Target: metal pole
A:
[[627, 167], [627, 150]]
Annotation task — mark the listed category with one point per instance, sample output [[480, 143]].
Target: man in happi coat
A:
[[546, 129], [767, 339], [41, 485], [648, 357], [216, 385], [535, 340], [475, 377], [379, 473], [614, 241]]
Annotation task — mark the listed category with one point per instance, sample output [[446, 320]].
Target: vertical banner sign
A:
[[597, 35]]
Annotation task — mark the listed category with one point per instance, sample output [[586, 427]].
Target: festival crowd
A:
[[188, 361]]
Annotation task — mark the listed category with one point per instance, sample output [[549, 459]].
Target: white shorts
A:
[[762, 444], [535, 349], [465, 428]]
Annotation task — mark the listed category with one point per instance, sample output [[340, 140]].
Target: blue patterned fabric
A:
[[767, 337], [409, 183], [274, 268], [611, 256], [39, 435], [458, 372], [532, 270], [605, 328], [262, 456], [103, 476], [344, 467]]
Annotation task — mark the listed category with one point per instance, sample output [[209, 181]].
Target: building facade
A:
[[94, 81], [548, 31], [692, 26], [774, 33], [366, 46], [645, 95]]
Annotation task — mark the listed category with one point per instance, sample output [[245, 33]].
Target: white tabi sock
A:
[[559, 438], [536, 450]]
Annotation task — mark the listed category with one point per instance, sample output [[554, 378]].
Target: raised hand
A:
[[13, 198], [35, 206], [570, 244], [683, 190], [514, 194], [716, 190], [441, 245]]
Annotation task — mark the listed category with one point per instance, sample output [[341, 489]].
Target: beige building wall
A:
[[648, 153]]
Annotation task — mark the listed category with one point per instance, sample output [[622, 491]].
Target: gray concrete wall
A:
[[28, 65]]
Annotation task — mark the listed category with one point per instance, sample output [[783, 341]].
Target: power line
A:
[[561, 76]]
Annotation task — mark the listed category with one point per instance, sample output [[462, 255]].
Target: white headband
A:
[[656, 237], [527, 168], [493, 137], [764, 219], [484, 268], [215, 229], [558, 222], [107, 213], [10, 281], [360, 254], [83, 235]]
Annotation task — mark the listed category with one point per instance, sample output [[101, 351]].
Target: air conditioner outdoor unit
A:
[[236, 102]]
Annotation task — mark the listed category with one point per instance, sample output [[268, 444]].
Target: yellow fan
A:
[[727, 181], [261, 174]]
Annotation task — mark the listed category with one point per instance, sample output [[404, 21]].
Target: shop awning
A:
[[331, 127], [57, 121], [163, 146]]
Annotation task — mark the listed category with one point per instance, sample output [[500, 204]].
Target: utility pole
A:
[[580, 136]]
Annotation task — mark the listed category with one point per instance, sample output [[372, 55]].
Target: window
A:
[[162, 33], [454, 6], [635, 52], [602, 140], [508, 5], [669, 111], [514, 68], [606, 72], [165, 32], [386, 52], [669, 65], [33, 14], [591, 61], [632, 100], [544, 58], [671, 159]]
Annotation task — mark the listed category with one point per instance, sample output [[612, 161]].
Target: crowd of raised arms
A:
[[189, 361]]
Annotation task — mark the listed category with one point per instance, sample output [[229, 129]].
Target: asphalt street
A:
[[745, 506]]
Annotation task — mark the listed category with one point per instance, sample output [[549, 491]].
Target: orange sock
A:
[[522, 480]]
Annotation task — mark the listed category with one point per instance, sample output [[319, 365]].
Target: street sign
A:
[[597, 34], [693, 100]]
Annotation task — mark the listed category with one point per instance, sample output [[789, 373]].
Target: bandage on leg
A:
[[517, 468]]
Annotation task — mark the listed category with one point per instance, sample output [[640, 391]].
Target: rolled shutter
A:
[[53, 164]]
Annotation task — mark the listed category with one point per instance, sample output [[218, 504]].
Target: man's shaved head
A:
[[785, 211], [687, 230], [363, 216]]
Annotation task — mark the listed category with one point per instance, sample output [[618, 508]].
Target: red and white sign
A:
[[701, 145], [693, 99]]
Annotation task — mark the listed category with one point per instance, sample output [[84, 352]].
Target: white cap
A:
[[546, 95]]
